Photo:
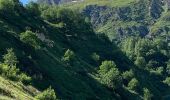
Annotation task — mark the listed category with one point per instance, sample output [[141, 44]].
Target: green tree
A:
[[6, 6], [128, 75], [30, 38], [10, 58], [110, 75], [147, 94], [133, 84], [69, 56], [48, 94], [8, 68], [140, 62]]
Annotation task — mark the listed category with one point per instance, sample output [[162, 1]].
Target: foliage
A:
[[158, 71], [7, 6], [140, 61], [8, 68], [128, 26], [47, 94], [128, 75], [147, 94], [167, 81], [110, 75], [69, 57], [133, 84], [10, 59], [30, 38]]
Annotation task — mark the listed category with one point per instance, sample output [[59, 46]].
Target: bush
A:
[[24, 78], [110, 75], [146, 94], [69, 57], [128, 75], [167, 81], [140, 62], [8, 68], [106, 66], [10, 59], [30, 38], [159, 71], [48, 94], [133, 84]]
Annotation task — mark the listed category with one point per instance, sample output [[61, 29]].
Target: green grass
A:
[[111, 3], [13, 90]]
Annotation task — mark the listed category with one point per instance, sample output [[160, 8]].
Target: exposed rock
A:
[[57, 1]]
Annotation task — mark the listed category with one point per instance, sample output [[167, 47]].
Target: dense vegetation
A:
[[50, 52]]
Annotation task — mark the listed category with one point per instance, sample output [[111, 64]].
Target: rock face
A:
[[49, 1], [57, 1]]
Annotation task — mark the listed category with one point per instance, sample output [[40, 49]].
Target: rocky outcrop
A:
[[49, 1], [57, 1], [98, 14]]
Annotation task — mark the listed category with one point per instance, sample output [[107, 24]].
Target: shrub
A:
[[133, 84], [48, 94], [30, 38], [110, 75], [140, 62], [106, 66], [69, 57], [158, 71], [10, 59], [167, 81], [128, 75], [24, 78], [146, 94], [8, 68]]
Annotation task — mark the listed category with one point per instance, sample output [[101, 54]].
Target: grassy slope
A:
[[111, 3], [11, 90]]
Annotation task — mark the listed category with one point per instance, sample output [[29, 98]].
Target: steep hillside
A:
[[52, 52], [45, 49]]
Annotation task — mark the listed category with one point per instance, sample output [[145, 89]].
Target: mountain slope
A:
[[118, 19], [45, 64], [58, 48]]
